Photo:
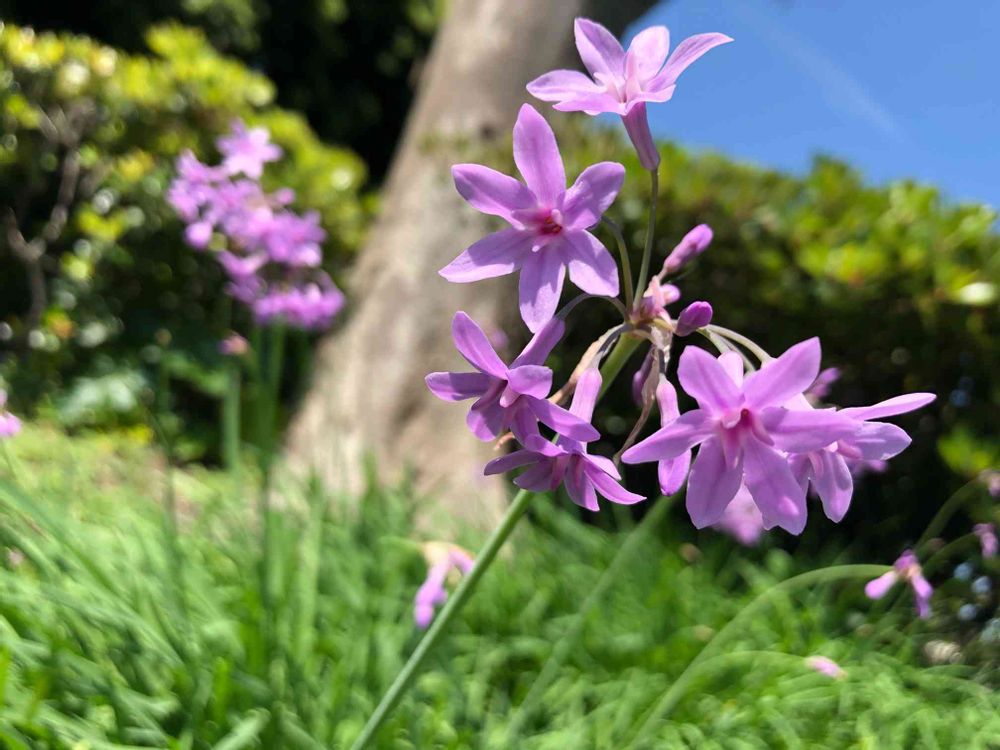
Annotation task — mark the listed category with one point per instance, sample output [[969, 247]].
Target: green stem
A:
[[739, 338], [945, 512], [647, 250], [231, 417], [626, 264], [616, 360], [451, 608], [568, 641], [676, 691]]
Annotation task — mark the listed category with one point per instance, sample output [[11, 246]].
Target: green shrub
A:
[[123, 295]]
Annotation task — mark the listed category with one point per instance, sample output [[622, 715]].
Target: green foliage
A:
[[112, 635], [121, 287]]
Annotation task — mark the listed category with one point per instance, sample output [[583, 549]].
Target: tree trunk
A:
[[368, 399]]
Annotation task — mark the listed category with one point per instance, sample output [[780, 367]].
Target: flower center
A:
[[550, 224]]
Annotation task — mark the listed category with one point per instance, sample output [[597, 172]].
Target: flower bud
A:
[[694, 316], [233, 345], [694, 244]]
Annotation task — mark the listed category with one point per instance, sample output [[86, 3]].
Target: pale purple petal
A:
[[707, 381], [698, 315], [598, 48], [678, 436], [877, 441], [780, 379], [605, 464], [781, 500], [591, 195], [562, 421], [490, 191], [540, 287], [647, 53], [712, 484], [732, 363], [592, 104], [671, 473], [513, 460], [537, 156], [563, 85], [579, 487], [530, 380], [742, 519], [472, 344], [588, 390], [834, 484], [922, 591], [541, 344], [486, 422], [591, 266], [826, 666], [890, 407], [879, 587], [496, 254], [805, 430], [656, 96], [458, 386], [610, 489], [666, 400], [521, 420], [637, 126], [539, 478], [686, 53]]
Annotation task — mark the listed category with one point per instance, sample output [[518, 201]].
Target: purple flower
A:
[[987, 534], [694, 316], [566, 461], [742, 519], [829, 469], [310, 307], [507, 397], [654, 302], [432, 593], [690, 247], [671, 472], [233, 345], [826, 666], [246, 151], [548, 223], [9, 424], [622, 82], [906, 569], [744, 433]]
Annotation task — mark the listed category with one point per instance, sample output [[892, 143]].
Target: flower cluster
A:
[[9, 424], [760, 439], [270, 254], [443, 560], [906, 569]]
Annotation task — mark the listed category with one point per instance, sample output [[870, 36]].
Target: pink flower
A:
[[987, 534], [567, 461], [622, 82], [507, 397], [233, 345], [693, 244], [826, 666], [432, 593], [246, 151], [829, 469], [742, 519], [671, 472], [745, 432], [906, 569], [658, 295], [9, 424], [548, 223], [696, 315]]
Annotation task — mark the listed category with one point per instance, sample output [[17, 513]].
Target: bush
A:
[[121, 295]]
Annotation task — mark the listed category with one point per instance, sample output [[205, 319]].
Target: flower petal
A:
[[586, 393], [666, 400], [458, 386], [541, 344], [707, 381], [673, 472], [878, 441], [530, 380], [598, 48], [890, 407], [494, 255], [537, 156], [579, 487], [671, 441], [562, 421], [591, 266], [879, 587], [833, 483], [780, 379], [563, 85], [605, 464], [512, 460], [490, 191], [647, 53], [732, 363], [781, 499], [540, 287], [592, 193], [539, 478], [472, 344], [610, 489], [686, 53], [712, 484], [486, 422], [592, 104], [805, 430]]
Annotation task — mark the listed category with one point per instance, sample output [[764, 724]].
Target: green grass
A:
[[112, 635]]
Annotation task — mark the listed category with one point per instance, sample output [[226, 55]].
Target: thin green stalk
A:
[[568, 641], [616, 360], [675, 692], [945, 512], [739, 338], [231, 417], [451, 608], [647, 251], [626, 263]]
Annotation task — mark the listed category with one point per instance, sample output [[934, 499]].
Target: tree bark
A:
[[368, 400]]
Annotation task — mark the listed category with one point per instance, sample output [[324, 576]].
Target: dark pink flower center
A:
[[550, 224]]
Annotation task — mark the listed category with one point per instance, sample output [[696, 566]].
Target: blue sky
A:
[[898, 88]]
